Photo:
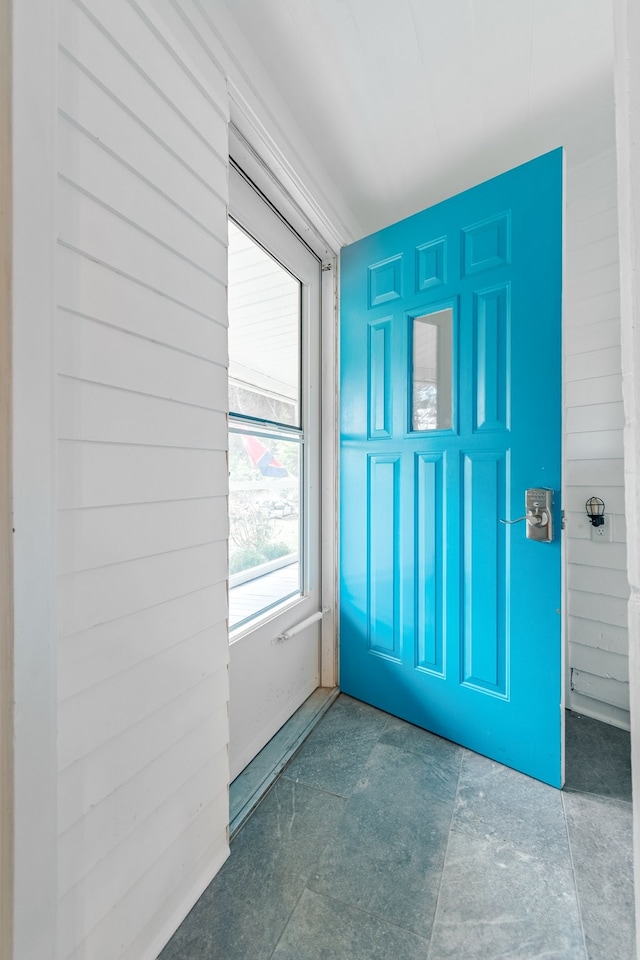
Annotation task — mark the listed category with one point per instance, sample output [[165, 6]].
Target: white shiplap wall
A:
[[597, 586], [141, 350]]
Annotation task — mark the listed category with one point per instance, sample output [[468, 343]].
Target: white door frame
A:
[[268, 681], [249, 157]]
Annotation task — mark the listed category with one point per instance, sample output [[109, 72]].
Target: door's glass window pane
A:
[[431, 371], [264, 515], [264, 333]]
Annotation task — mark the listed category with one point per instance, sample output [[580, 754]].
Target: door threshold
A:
[[250, 786]]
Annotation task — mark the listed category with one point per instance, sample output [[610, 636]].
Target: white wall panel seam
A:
[[222, 160], [608, 689], [574, 430], [117, 506], [96, 833], [108, 238], [92, 110], [145, 556], [142, 445], [599, 296], [168, 798], [612, 637], [601, 198], [141, 336], [89, 607], [584, 242], [101, 652], [171, 50], [590, 213], [123, 53], [133, 503], [90, 905], [103, 935], [105, 730], [216, 740], [147, 233], [136, 280], [83, 164], [592, 310], [155, 58], [97, 830], [597, 336], [76, 772], [93, 684], [100, 144]]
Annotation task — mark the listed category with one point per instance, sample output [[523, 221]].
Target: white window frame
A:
[[268, 430], [263, 162], [285, 246]]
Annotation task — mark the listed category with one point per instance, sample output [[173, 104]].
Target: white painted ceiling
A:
[[405, 102]]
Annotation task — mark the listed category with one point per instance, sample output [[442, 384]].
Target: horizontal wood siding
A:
[[597, 585], [141, 359]]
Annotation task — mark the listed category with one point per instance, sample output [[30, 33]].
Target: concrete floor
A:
[[380, 841]]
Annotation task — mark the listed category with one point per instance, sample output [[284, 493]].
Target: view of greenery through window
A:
[[264, 511]]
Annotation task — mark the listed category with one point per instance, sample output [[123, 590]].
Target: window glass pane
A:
[[264, 523], [431, 377], [264, 333]]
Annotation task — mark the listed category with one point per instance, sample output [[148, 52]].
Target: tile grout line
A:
[[311, 786], [444, 862], [572, 791], [288, 921], [367, 913], [283, 776], [573, 872], [305, 884]]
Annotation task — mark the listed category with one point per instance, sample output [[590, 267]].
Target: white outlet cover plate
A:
[[603, 533]]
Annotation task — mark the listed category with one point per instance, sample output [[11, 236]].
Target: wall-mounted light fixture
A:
[[595, 511]]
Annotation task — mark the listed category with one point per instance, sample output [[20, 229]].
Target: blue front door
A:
[[450, 410]]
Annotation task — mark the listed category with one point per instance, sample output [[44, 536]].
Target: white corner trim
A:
[[627, 96], [256, 134], [6, 466], [34, 107], [330, 407], [260, 116]]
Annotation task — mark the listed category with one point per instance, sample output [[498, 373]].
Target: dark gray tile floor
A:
[[380, 841]]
